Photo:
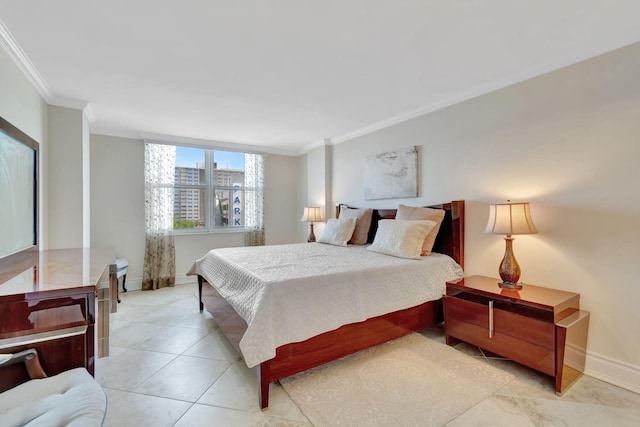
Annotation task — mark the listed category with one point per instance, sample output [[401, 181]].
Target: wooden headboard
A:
[[450, 240]]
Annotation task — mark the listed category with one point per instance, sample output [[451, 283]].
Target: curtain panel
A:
[[159, 176], [254, 199]]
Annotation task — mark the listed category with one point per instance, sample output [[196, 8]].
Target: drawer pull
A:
[[490, 319]]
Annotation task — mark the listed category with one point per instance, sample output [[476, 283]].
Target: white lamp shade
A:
[[311, 214], [509, 219]]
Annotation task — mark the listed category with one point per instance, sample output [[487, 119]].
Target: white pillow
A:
[[338, 231], [363, 223], [401, 238], [430, 214]]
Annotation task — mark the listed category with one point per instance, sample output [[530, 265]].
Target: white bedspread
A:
[[289, 293]]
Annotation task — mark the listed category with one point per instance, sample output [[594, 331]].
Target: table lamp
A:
[[509, 219], [311, 215]]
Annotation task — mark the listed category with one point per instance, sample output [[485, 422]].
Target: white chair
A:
[[121, 271], [71, 398]]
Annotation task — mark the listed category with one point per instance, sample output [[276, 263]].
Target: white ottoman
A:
[[121, 271]]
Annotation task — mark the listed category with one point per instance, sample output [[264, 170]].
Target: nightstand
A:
[[538, 327]]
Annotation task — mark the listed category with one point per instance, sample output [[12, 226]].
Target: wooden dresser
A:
[[48, 302], [539, 327]]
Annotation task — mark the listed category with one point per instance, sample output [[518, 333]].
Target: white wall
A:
[[303, 197], [67, 217], [281, 200], [86, 183], [117, 207], [22, 106], [117, 199], [568, 142], [319, 186]]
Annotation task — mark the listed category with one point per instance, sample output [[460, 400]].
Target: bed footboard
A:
[[296, 357]]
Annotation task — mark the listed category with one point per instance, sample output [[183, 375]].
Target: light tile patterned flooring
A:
[[169, 365]]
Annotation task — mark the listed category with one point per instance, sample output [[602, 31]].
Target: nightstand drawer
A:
[[529, 354], [505, 322]]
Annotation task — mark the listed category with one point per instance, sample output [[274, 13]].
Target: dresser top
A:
[[537, 296], [54, 269]]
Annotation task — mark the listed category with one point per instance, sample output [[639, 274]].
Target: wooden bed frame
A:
[[348, 339]]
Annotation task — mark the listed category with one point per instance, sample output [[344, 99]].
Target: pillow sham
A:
[[338, 231], [401, 238], [363, 223], [430, 214]]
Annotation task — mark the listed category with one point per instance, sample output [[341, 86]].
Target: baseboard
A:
[[132, 284], [621, 374], [183, 279]]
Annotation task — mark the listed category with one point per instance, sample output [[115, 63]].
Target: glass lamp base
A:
[[508, 285], [312, 237]]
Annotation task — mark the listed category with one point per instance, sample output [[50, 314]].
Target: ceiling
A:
[[287, 75]]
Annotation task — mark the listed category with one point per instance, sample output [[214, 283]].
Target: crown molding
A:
[[236, 146], [88, 112], [173, 139], [581, 53], [196, 142], [320, 143], [76, 104], [116, 133], [20, 58]]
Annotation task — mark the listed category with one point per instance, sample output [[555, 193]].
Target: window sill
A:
[[225, 230]]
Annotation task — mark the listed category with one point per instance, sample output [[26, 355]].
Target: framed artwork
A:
[[391, 175]]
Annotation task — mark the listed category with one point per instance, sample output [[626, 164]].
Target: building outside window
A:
[[209, 189]]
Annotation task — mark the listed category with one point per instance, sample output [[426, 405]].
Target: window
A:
[[209, 189], [204, 189]]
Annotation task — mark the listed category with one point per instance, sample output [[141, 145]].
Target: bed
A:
[[250, 300]]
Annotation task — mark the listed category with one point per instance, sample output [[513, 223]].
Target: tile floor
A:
[[170, 366]]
